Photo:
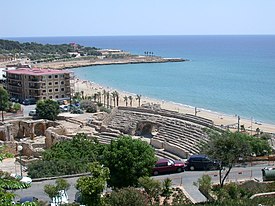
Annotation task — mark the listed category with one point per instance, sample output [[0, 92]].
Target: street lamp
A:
[[20, 148]]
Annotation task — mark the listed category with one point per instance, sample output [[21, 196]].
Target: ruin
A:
[[172, 134]]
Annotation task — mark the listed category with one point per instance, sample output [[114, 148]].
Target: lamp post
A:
[[20, 148]]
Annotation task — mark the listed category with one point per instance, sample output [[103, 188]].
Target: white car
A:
[[27, 180]]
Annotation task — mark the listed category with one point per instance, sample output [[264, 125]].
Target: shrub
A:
[[127, 196]]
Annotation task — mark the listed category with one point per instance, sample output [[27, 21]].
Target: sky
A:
[[34, 18]]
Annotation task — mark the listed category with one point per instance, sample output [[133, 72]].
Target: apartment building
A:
[[36, 83]]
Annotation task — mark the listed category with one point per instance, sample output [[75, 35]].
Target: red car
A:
[[168, 166]]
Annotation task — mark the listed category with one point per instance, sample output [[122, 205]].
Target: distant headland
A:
[[70, 55]]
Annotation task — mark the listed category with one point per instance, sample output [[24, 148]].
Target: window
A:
[[50, 90], [50, 76], [163, 164], [50, 83], [62, 96], [62, 89], [62, 82], [56, 76], [44, 97], [56, 90], [56, 96], [43, 90], [55, 83], [51, 97]]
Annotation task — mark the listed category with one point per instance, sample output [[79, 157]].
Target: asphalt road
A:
[[27, 109], [186, 179]]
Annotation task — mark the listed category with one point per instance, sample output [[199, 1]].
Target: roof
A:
[[162, 160], [37, 71]]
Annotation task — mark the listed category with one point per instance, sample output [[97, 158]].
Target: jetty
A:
[[73, 63]]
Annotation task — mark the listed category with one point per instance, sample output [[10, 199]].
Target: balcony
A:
[[35, 79], [35, 86], [15, 84]]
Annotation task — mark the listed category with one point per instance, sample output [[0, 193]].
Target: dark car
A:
[[201, 162], [168, 166], [28, 199], [29, 101]]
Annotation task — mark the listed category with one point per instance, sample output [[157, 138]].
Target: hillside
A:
[[36, 51]]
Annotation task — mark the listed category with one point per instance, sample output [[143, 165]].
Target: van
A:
[[201, 162]]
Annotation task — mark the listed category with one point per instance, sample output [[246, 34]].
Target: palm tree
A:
[[104, 97], [113, 94], [126, 100], [138, 98], [131, 100], [117, 98], [82, 94], [108, 98], [95, 96], [99, 96]]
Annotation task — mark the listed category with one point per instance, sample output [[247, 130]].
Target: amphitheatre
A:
[[172, 134]]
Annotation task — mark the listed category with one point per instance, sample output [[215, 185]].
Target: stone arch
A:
[[2, 135], [39, 128], [146, 129]]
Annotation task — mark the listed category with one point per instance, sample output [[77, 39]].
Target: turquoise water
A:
[[228, 74]]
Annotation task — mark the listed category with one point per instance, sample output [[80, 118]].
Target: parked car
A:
[[201, 162], [28, 199], [32, 113], [29, 101], [64, 108], [23, 179], [168, 166]]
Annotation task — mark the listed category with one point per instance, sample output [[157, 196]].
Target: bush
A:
[[67, 157], [127, 196], [104, 109], [89, 106]]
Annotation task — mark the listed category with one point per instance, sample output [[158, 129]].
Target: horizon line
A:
[[2, 37]]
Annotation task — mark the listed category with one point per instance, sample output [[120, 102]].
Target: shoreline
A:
[[219, 118]]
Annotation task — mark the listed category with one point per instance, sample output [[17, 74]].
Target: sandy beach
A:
[[90, 88]]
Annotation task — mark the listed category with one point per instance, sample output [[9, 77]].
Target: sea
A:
[[233, 75]]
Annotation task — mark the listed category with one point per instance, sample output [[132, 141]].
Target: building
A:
[[36, 83]]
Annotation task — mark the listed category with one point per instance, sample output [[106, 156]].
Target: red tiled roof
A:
[[37, 71]]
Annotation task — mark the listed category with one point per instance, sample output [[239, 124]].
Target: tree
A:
[[104, 97], [99, 96], [226, 147], [128, 159], [125, 100], [67, 157], [131, 100], [53, 191], [92, 186], [113, 95], [152, 187], [4, 101], [166, 189], [117, 98], [108, 99], [47, 109], [138, 98]]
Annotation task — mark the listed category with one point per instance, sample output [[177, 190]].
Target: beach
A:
[[219, 119]]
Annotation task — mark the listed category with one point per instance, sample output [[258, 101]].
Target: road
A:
[[186, 179], [27, 109]]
